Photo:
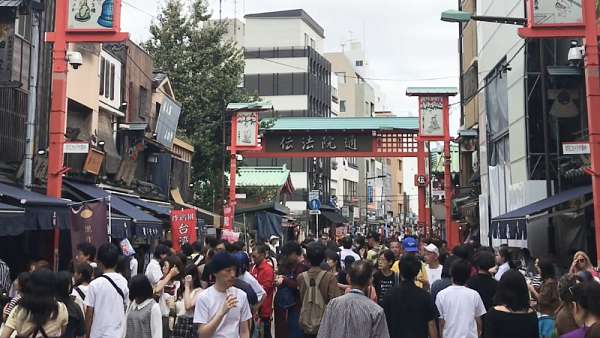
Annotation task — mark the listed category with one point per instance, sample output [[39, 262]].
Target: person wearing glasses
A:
[[582, 263]]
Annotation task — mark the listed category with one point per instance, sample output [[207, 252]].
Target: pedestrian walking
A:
[[586, 310], [83, 277], [143, 317], [582, 263], [446, 279], [483, 282], [512, 317], [86, 253], [184, 326], [153, 270], [384, 278], [504, 262], [346, 250], [264, 274], [460, 307], [432, 261], [168, 290], [354, 314], [107, 297], [63, 288], [411, 247], [222, 311], [565, 321], [38, 313], [409, 310], [287, 300], [317, 287], [396, 247], [375, 247]]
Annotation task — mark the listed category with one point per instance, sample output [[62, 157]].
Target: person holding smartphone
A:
[[222, 310]]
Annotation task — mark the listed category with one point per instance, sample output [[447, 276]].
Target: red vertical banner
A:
[[183, 227]]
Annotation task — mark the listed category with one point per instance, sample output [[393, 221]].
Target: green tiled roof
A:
[[346, 123], [415, 91], [250, 106], [262, 176]]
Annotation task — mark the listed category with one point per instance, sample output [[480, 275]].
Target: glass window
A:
[[342, 106], [359, 63]]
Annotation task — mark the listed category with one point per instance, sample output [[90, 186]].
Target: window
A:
[[23, 26], [496, 101], [359, 63], [143, 101], [312, 44], [306, 40], [400, 165], [400, 187], [342, 106], [110, 80], [350, 190], [352, 162], [341, 77]]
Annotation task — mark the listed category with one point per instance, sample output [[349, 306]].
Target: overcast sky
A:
[[405, 39]]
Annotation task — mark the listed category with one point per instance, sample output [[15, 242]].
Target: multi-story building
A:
[[284, 65], [530, 105]]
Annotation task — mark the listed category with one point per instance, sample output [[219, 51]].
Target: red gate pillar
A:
[[422, 188]]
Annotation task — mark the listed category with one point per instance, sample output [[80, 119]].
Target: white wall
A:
[[279, 32], [277, 65], [288, 102]]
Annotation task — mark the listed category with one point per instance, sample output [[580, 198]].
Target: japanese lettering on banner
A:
[[183, 227], [306, 142], [247, 129], [89, 224]]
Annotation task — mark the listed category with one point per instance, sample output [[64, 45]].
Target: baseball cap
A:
[[432, 248], [410, 245]]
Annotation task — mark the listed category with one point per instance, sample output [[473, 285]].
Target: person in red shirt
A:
[[264, 274]]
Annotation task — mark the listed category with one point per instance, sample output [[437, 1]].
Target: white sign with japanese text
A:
[[576, 148], [550, 12], [247, 129], [432, 115]]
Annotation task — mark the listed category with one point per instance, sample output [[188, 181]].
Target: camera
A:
[[576, 53], [75, 59]]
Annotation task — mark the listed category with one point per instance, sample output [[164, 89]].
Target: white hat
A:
[[433, 249], [273, 237]]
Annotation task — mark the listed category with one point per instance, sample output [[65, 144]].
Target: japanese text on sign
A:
[[319, 143], [183, 227]]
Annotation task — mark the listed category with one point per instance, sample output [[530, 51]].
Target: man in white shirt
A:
[[107, 298], [434, 268], [347, 250], [222, 311], [460, 307], [153, 270]]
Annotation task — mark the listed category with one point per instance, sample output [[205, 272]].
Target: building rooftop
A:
[[345, 123], [293, 13], [263, 177]]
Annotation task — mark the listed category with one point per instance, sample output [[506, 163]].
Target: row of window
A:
[[277, 84], [350, 189]]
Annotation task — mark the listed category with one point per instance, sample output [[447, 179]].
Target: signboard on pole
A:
[[432, 116], [557, 12], [314, 195], [576, 148], [247, 129], [91, 15], [183, 227], [76, 147]]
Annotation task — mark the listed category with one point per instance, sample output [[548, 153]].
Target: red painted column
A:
[[232, 173], [593, 102], [58, 120], [422, 217]]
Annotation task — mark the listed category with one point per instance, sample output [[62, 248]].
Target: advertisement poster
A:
[[247, 129], [89, 224], [432, 115], [550, 12], [91, 14], [183, 227]]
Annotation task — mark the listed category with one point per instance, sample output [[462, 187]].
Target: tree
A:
[[205, 71]]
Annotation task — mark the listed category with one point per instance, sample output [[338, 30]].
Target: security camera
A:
[[75, 59], [576, 53]]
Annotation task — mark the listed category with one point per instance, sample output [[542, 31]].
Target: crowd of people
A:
[[357, 287]]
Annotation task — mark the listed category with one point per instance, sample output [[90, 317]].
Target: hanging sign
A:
[[91, 15], [183, 227], [247, 129], [557, 12], [431, 109], [89, 225], [576, 148]]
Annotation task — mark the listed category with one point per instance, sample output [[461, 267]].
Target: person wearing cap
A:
[[411, 247], [433, 267], [222, 310]]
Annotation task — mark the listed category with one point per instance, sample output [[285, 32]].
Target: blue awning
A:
[[540, 206], [144, 225], [40, 212], [159, 209]]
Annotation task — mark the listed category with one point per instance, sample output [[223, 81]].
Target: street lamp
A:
[[453, 15]]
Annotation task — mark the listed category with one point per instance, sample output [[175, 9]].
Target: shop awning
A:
[[143, 222], [545, 204], [25, 210], [334, 217], [158, 208]]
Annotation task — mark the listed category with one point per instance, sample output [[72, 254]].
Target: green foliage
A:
[[204, 70]]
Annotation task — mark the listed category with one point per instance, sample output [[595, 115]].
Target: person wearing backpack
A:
[[107, 297], [317, 287]]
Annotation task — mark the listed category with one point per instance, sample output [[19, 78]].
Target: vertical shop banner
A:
[[89, 224], [183, 227]]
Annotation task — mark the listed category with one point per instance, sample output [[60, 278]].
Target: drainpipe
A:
[[32, 98]]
